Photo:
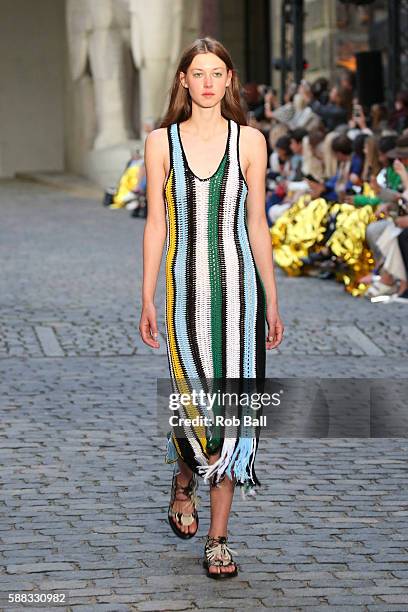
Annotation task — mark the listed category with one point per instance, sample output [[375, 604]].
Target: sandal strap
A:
[[185, 518], [189, 490], [217, 551]]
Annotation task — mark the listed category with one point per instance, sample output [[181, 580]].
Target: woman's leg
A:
[[182, 502], [373, 232], [221, 497]]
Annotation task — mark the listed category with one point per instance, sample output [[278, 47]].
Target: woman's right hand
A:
[[148, 326], [381, 210], [399, 167]]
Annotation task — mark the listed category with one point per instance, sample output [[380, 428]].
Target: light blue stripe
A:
[[249, 370], [241, 456], [180, 264]]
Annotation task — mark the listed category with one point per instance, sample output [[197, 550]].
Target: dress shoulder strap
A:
[[175, 147], [236, 147], [233, 142]]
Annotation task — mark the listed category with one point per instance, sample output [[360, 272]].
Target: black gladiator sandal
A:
[[190, 491], [218, 553]]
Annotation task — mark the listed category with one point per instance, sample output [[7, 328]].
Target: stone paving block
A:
[[287, 603], [397, 598], [175, 604], [30, 568]]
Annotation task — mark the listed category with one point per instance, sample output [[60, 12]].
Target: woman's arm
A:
[[402, 171], [154, 235], [258, 230]]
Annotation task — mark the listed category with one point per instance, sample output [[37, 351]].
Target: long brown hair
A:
[[179, 108], [371, 163]]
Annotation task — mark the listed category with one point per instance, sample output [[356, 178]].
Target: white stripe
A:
[[202, 279], [231, 261]]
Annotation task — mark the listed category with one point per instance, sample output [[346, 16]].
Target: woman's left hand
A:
[[400, 168], [275, 328]]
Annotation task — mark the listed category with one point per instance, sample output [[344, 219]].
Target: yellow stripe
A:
[[182, 385], [169, 278]]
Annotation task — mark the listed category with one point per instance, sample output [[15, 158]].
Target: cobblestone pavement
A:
[[85, 488]]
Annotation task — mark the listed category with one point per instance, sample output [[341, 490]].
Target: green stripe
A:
[[214, 269]]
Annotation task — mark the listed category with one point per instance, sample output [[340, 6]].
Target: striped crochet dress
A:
[[215, 302]]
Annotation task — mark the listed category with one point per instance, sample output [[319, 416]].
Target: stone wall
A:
[[32, 52]]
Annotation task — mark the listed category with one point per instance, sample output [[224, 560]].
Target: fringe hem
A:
[[238, 457], [171, 451], [236, 461]]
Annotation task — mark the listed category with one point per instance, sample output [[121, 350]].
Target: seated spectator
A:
[[336, 111], [130, 192], [296, 146], [278, 172], [378, 172], [279, 161], [313, 154], [334, 188], [355, 181], [320, 91], [399, 117], [304, 117], [371, 158]]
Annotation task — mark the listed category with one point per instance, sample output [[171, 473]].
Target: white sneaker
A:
[[380, 288], [132, 205], [383, 299]]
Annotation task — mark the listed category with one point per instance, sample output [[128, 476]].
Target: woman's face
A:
[[282, 154], [341, 157], [295, 147], [206, 78], [333, 96]]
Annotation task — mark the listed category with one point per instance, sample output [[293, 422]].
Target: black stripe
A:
[[255, 479], [170, 169], [260, 330], [185, 446], [190, 303], [191, 279], [223, 263], [241, 268]]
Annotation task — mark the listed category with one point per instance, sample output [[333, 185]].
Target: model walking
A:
[[206, 193]]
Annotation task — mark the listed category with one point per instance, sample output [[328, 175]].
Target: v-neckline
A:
[[185, 156]]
